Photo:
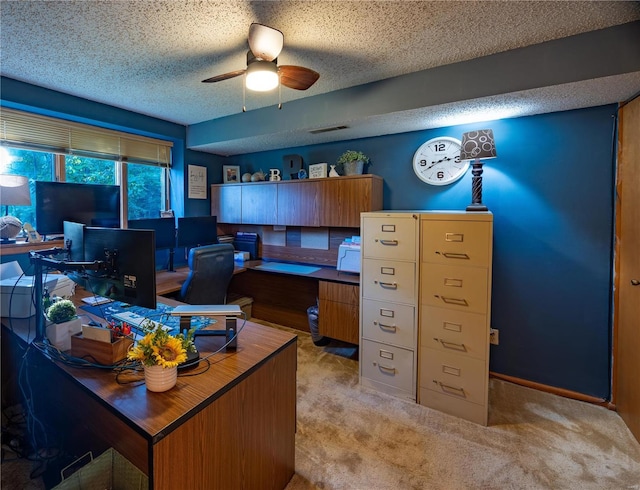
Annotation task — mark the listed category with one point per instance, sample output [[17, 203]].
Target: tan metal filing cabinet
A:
[[389, 302], [455, 312]]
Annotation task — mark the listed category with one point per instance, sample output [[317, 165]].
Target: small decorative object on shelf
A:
[[160, 354], [246, 177], [318, 171], [258, 176], [353, 162], [302, 174], [231, 174], [333, 172]]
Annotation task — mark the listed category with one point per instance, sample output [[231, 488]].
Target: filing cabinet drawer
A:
[[388, 365], [386, 237], [455, 331], [459, 288], [388, 280], [453, 406], [456, 242], [457, 376], [390, 323]]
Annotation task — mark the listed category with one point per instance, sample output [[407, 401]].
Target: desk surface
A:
[[135, 421], [324, 273], [168, 282]]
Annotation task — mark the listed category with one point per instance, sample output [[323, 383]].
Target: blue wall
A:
[[551, 192]]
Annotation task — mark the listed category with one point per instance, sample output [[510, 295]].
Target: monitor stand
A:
[[226, 313]]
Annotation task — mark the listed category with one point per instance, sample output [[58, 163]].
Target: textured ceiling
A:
[[150, 56]]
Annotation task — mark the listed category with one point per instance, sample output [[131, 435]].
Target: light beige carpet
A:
[[350, 437]]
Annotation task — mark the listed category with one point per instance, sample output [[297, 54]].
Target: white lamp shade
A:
[[14, 190], [262, 76], [478, 144]]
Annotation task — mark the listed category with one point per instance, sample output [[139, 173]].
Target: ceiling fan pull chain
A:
[[279, 93], [244, 82]]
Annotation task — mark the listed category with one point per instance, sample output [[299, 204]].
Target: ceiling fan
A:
[[263, 72]]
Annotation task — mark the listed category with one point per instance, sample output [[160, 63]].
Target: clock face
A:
[[437, 162]]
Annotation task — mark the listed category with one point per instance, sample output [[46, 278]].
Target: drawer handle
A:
[[453, 301], [453, 255], [386, 369], [390, 328], [451, 390], [387, 285], [451, 345], [454, 237], [391, 243]]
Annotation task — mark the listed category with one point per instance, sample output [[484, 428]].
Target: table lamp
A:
[[14, 191], [476, 145]]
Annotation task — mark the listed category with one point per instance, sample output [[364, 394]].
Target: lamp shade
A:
[[262, 76], [14, 190], [478, 144]]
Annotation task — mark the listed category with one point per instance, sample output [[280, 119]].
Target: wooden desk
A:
[[283, 298], [171, 282], [231, 426]]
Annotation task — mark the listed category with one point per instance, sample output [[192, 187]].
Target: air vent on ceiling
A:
[[326, 130]]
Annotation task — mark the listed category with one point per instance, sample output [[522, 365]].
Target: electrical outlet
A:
[[494, 336]]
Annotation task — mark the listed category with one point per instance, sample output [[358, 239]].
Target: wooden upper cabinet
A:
[[344, 198], [298, 203], [226, 203], [330, 202], [260, 203]]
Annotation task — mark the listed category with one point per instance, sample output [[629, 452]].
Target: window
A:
[[44, 148]]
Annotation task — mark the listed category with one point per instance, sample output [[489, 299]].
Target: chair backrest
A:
[[211, 269]]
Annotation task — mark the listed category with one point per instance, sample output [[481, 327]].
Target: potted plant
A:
[[352, 162], [64, 323], [160, 354]]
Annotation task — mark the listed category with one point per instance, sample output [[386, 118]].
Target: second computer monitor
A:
[[196, 231], [165, 229]]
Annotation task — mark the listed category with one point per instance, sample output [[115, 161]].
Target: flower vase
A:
[[333, 172], [158, 378]]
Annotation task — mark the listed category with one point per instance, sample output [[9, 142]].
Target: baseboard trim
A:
[[555, 390]]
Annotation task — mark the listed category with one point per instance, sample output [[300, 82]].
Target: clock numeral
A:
[[440, 174], [439, 147], [423, 163], [457, 159]]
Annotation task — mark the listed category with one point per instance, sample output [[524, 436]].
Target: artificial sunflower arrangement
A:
[[157, 347]]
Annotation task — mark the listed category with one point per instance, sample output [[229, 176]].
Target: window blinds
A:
[[36, 132]]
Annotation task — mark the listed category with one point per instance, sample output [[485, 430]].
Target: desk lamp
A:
[[476, 145], [14, 191]]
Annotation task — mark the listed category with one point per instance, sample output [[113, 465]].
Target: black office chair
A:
[[211, 269]]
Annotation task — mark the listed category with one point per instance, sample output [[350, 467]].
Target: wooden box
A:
[[105, 353]]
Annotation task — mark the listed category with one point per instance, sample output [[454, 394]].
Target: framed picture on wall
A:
[[318, 171], [230, 174]]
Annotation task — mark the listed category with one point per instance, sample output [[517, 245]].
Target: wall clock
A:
[[437, 162]]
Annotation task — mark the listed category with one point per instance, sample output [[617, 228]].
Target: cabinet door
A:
[[260, 204], [339, 311], [343, 199], [298, 204], [226, 203]]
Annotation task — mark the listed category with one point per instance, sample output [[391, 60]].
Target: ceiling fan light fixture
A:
[[262, 76]]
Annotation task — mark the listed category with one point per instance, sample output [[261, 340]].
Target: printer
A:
[[16, 290], [349, 255]]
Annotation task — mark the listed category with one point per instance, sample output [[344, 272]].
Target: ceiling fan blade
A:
[[225, 76], [297, 77], [265, 42]]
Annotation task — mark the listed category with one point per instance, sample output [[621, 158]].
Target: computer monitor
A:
[[165, 229], [90, 204], [129, 274], [195, 231]]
